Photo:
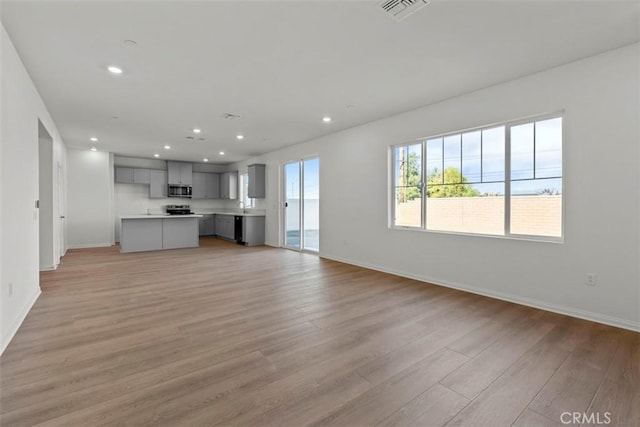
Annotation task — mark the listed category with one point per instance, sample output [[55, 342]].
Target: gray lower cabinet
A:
[[141, 235], [224, 226], [253, 230], [150, 234], [157, 184], [177, 233], [206, 225]]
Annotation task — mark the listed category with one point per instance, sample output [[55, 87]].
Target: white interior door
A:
[[61, 210]]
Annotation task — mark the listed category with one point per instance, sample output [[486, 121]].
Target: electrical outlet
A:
[[591, 279], [10, 288]]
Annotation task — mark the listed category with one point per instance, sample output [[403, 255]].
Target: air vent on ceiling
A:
[[400, 9]]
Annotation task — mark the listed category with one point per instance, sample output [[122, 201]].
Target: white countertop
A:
[[159, 216], [228, 213]]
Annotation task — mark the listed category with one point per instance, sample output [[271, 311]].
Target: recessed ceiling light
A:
[[94, 139], [239, 136], [205, 160], [115, 70], [94, 149], [222, 153], [196, 130], [156, 155], [326, 119], [167, 147]]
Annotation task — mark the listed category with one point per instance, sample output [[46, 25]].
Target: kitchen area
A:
[[172, 204]]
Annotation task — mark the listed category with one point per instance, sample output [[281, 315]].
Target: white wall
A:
[[45, 187], [89, 198], [20, 109], [599, 96]]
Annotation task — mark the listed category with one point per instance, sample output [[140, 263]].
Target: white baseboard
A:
[[89, 245], [542, 305], [49, 268], [16, 324]]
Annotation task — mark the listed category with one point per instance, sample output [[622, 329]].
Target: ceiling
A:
[[281, 66]]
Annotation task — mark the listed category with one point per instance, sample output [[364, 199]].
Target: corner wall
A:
[[599, 96], [20, 109], [90, 198]]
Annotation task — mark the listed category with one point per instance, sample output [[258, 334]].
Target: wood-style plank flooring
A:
[[231, 335]]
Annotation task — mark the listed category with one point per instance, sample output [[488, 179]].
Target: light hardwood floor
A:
[[231, 335]]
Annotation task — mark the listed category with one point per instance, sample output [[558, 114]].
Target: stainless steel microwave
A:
[[179, 191]]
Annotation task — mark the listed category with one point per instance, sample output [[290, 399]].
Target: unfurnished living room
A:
[[320, 213]]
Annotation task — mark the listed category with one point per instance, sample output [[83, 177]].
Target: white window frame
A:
[[507, 181], [244, 191]]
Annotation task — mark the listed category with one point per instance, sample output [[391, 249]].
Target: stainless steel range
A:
[[178, 209]]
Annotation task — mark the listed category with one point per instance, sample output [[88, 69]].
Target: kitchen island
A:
[[156, 232]]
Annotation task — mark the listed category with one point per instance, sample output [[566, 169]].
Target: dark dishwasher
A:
[[237, 234]]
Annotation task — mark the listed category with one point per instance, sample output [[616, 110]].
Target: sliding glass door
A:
[[302, 205], [292, 205]]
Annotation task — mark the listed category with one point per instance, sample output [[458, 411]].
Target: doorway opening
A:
[[45, 199], [302, 205]]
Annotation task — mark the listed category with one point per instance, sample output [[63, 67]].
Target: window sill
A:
[[537, 239]]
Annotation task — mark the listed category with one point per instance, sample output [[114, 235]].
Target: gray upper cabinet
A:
[[212, 181], [229, 185], [132, 175], [205, 185], [124, 175], [180, 173], [256, 181], [157, 184], [199, 184], [141, 176]]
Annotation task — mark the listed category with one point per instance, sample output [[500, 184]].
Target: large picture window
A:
[[501, 180]]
